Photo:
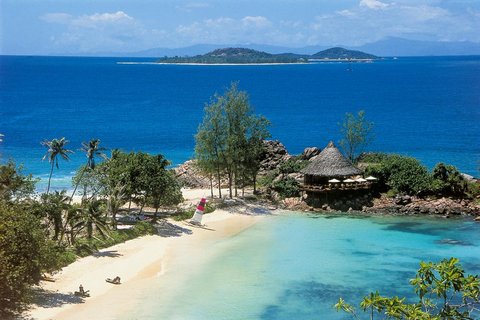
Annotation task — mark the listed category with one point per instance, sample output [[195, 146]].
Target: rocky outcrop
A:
[[414, 205], [309, 153], [275, 154], [189, 175]]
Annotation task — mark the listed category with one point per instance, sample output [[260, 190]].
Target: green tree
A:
[[164, 191], [210, 141], [115, 200], [55, 207], [257, 133], [92, 182], [158, 186], [230, 138], [13, 184], [443, 289], [24, 254], [119, 172], [56, 147], [92, 150], [447, 180], [237, 112], [92, 214], [399, 173], [356, 134]]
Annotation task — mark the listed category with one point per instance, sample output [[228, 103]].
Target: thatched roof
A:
[[331, 163]]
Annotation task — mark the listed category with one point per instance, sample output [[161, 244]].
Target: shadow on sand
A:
[[51, 299], [107, 253], [166, 229]]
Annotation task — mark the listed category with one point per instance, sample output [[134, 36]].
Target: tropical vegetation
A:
[[356, 132], [41, 233], [398, 174], [229, 141], [444, 291]]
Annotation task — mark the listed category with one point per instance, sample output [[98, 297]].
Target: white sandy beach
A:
[[137, 262]]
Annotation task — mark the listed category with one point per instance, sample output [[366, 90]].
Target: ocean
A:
[[297, 266], [425, 107]]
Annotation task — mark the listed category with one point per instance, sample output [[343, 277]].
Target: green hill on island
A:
[[250, 56], [338, 53]]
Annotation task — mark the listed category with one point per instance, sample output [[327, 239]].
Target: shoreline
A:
[[213, 64], [138, 262]]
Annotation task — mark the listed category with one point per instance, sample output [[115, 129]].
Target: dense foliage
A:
[[407, 175], [245, 56], [13, 184], [444, 292], [236, 56], [229, 141], [24, 253]]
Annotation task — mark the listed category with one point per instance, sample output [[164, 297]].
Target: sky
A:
[[97, 26]]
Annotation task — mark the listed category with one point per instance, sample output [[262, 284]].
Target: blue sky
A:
[[86, 26]]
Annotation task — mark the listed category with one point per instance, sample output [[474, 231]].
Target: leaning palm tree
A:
[[56, 148], [91, 150]]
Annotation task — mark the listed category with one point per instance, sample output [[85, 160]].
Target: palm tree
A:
[[91, 150], [92, 215], [115, 201], [55, 205], [55, 147]]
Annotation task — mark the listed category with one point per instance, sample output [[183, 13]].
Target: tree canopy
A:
[[229, 141], [356, 134]]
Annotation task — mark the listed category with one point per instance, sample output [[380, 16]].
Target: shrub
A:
[[24, 254], [403, 174], [447, 180], [292, 165], [287, 187], [267, 180]]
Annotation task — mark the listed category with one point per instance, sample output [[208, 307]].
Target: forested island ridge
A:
[[250, 56]]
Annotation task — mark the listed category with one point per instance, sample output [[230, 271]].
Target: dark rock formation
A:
[[414, 205]]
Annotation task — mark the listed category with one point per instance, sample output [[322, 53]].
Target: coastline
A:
[[138, 262], [213, 64]]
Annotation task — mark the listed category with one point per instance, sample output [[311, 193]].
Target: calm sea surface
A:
[[428, 108], [296, 266]]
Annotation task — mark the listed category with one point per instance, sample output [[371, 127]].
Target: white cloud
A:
[[94, 20], [249, 29], [373, 4], [257, 21], [364, 21], [58, 17], [107, 31]]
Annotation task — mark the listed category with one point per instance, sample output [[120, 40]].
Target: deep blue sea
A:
[[428, 108]]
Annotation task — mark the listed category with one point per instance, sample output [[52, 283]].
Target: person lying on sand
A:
[[115, 280]]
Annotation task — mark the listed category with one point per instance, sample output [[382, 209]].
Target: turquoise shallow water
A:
[[297, 266]]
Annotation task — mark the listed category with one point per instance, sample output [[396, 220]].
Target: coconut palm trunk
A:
[[50, 178]]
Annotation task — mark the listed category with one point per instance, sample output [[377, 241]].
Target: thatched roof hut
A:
[[330, 163]]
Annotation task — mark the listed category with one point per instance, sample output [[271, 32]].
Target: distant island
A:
[[250, 56]]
